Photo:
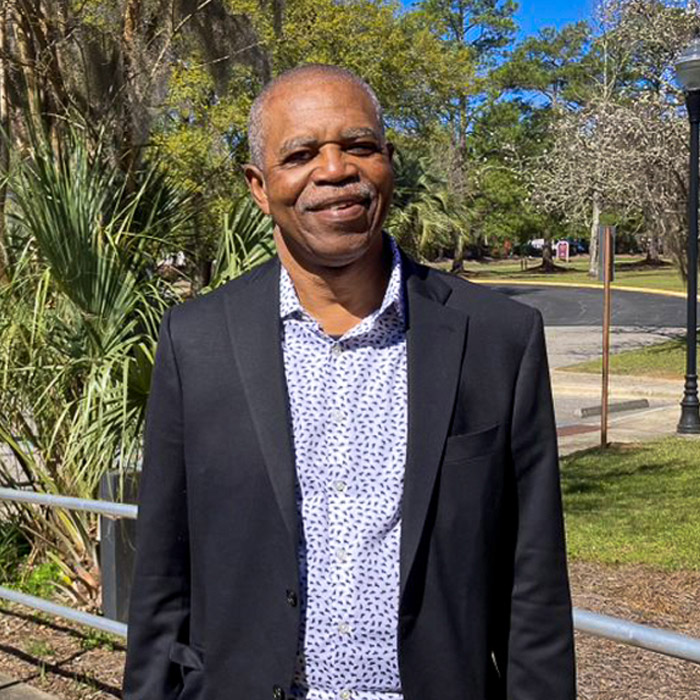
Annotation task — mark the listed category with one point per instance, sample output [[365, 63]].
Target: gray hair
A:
[[256, 130]]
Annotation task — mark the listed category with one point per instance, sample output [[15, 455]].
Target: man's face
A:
[[327, 178]]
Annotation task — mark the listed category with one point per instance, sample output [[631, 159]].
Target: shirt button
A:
[[344, 695], [277, 693], [336, 416], [343, 628], [341, 554], [340, 486], [337, 350], [292, 598]]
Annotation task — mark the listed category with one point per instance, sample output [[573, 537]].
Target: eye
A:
[[363, 148], [296, 157]]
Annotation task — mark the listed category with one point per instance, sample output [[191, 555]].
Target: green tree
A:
[[551, 73], [551, 69]]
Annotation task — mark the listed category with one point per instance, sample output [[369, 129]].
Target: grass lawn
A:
[[635, 504], [663, 360], [628, 273]]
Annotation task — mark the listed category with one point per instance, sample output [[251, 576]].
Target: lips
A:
[[340, 204], [342, 214]]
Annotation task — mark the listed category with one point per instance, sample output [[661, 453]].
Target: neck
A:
[[339, 297]]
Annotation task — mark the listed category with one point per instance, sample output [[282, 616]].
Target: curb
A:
[[579, 285], [613, 407], [11, 689], [621, 386]]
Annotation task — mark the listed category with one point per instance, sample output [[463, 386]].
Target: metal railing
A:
[[114, 510], [106, 508], [662, 641]]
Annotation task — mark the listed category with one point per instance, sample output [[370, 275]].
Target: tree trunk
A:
[[593, 245], [547, 262], [4, 138], [653, 255], [458, 259], [25, 47], [132, 19]]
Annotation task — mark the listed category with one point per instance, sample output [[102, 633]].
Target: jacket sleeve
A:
[[159, 604], [540, 663]]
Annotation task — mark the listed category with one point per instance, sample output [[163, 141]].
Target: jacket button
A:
[[277, 692], [292, 598]]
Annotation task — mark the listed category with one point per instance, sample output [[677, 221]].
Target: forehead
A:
[[316, 107]]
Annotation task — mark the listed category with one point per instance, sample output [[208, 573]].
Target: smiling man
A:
[[350, 486]]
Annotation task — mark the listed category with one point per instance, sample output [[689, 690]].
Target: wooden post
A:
[[606, 255]]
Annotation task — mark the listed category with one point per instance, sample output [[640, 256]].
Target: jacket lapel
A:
[[254, 328], [435, 341]]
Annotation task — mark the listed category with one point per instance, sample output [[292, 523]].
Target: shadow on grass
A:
[[596, 475], [43, 667]]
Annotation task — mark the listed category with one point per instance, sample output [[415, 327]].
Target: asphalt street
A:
[[579, 306], [573, 326]]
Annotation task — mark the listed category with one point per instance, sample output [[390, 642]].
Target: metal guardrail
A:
[[109, 508], [616, 629], [103, 624], [655, 639], [106, 508]]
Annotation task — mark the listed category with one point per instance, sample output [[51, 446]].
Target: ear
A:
[[256, 184]]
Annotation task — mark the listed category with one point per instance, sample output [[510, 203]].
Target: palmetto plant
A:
[[246, 241], [423, 215], [79, 318], [78, 324]]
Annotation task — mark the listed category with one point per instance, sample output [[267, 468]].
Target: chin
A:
[[340, 248]]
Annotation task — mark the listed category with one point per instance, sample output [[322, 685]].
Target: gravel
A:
[[73, 664]]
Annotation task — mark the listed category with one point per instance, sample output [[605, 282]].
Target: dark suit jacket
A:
[[484, 610]]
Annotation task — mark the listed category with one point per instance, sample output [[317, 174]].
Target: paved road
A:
[[570, 306], [573, 318]]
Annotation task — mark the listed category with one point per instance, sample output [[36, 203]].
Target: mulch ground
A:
[[73, 664]]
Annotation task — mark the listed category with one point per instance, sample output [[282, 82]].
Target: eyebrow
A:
[[292, 144]]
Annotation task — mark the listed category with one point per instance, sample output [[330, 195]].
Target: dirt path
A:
[[63, 659], [610, 671]]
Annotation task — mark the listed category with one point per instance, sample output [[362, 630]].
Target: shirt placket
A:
[[340, 516]]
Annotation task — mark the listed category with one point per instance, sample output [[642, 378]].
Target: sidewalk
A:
[[13, 690], [576, 390]]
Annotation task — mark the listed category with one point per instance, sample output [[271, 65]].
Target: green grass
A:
[[39, 648], [38, 579], [14, 549], [664, 360], [628, 273], [94, 639], [635, 504]]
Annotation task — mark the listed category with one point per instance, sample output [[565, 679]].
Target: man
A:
[[350, 486]]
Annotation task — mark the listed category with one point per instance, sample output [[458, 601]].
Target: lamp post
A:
[[688, 73]]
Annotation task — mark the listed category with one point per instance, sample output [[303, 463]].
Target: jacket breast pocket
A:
[[191, 663], [471, 445]]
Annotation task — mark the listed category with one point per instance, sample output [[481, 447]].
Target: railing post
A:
[[117, 546]]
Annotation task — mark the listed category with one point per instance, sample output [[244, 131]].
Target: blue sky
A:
[[535, 14]]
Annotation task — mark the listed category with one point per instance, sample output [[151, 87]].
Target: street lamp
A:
[[688, 73]]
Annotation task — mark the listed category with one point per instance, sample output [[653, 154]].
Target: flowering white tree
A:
[[625, 150]]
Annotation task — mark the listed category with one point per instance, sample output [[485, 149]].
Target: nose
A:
[[334, 166]]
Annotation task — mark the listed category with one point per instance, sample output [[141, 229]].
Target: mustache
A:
[[316, 198]]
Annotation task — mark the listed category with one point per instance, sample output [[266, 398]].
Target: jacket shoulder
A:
[[480, 302]]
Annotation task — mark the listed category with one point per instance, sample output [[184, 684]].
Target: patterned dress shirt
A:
[[348, 403]]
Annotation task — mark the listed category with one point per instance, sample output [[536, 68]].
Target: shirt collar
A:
[[290, 306]]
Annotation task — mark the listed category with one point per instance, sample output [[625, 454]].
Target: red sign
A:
[[563, 250]]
